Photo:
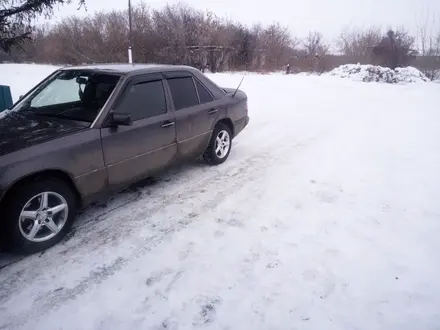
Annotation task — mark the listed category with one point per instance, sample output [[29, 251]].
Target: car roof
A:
[[125, 69]]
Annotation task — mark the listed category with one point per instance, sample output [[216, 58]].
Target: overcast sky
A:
[[327, 16]]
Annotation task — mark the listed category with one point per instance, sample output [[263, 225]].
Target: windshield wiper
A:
[[58, 115]]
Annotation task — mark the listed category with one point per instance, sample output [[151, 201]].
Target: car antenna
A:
[[233, 95]]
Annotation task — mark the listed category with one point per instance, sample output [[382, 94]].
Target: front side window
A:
[[143, 100], [71, 94], [183, 92]]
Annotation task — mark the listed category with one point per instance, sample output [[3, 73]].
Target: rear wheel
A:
[[219, 146], [38, 215]]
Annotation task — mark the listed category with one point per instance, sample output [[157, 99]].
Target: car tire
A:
[[38, 215], [219, 146]]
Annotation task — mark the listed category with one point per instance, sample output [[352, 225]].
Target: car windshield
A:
[[71, 94]]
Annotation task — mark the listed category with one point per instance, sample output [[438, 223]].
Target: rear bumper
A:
[[239, 125]]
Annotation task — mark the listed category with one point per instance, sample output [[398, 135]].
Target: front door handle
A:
[[168, 124], [212, 111]]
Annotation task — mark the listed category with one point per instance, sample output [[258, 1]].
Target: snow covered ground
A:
[[326, 216]]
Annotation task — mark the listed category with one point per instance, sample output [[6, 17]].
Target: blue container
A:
[[5, 97]]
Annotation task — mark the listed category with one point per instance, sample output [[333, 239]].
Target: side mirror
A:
[[120, 119]]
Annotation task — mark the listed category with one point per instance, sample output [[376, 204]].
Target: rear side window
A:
[[204, 95], [183, 92], [144, 100]]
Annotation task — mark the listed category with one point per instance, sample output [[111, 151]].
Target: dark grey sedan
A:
[[85, 132]]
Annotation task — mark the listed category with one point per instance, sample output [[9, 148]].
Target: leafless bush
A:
[[309, 54], [180, 34], [315, 45], [359, 43], [176, 34], [428, 38]]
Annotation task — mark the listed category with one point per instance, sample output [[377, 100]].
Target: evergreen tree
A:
[[17, 19]]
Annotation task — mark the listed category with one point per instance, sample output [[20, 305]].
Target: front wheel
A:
[[38, 215], [219, 146]]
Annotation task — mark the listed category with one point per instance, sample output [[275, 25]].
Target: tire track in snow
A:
[[91, 235], [249, 169]]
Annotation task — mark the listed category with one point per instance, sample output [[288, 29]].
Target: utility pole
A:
[[130, 41]]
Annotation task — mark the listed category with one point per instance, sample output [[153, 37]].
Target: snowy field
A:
[[326, 216]]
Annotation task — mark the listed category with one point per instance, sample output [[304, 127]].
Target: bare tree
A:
[[278, 45], [428, 40], [314, 45], [359, 43]]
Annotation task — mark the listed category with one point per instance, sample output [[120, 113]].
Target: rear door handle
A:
[[168, 124], [212, 111]]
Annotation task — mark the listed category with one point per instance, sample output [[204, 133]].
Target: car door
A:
[[195, 112], [149, 144]]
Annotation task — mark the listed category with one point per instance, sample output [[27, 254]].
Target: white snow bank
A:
[[369, 73]]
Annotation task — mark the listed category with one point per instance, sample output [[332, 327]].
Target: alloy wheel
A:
[[222, 144], [43, 216]]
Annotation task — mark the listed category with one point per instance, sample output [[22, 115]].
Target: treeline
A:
[[175, 34], [180, 34]]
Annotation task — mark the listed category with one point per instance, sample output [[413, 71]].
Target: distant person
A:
[[288, 69]]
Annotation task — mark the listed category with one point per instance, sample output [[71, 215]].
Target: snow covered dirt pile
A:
[[372, 73], [324, 217]]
